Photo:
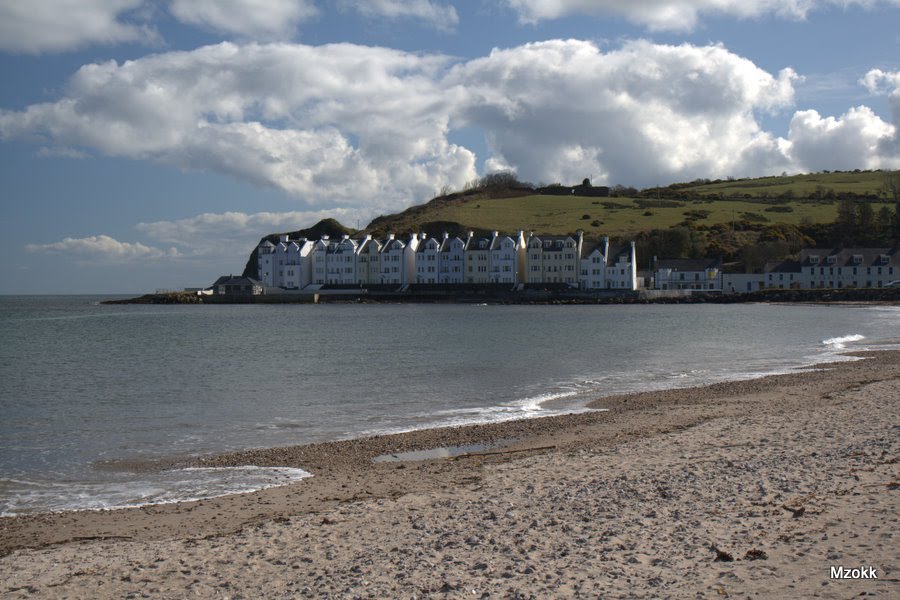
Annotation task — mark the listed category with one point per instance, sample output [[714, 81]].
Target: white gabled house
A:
[[621, 270], [453, 260], [428, 261], [603, 268], [398, 260], [593, 266], [285, 264], [507, 258], [368, 258], [341, 262], [319, 261]]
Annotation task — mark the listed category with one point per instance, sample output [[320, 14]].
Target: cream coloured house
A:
[[554, 258]]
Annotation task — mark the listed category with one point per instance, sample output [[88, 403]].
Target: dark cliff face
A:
[[329, 227]]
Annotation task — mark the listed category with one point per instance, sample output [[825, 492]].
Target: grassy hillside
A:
[[862, 183], [794, 200]]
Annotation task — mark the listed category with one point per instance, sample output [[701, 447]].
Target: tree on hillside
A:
[[501, 180], [891, 185]]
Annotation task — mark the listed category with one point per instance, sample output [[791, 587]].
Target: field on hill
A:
[[618, 216], [864, 183], [792, 200]]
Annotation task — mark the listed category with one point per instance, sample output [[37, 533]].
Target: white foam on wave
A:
[[167, 487], [842, 341]]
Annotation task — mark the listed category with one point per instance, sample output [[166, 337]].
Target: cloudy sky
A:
[[148, 144]]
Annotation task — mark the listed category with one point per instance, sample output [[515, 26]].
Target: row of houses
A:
[[420, 259], [816, 268], [535, 259]]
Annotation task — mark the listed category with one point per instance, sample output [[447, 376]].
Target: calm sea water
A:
[[83, 383]]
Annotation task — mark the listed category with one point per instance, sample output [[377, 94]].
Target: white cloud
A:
[[881, 82], [646, 113], [676, 15], [102, 249], [337, 124], [367, 129], [439, 16], [61, 25], [858, 138], [259, 19], [232, 234]]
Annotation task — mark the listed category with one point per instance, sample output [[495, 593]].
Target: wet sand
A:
[[752, 488]]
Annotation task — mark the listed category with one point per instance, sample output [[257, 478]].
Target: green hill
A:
[[792, 200]]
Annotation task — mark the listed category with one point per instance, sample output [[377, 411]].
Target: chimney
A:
[[345, 237], [390, 236], [284, 237], [471, 234], [446, 235]]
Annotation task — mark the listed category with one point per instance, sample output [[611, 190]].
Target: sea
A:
[[86, 386]]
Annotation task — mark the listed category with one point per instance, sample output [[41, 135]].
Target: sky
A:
[[149, 144]]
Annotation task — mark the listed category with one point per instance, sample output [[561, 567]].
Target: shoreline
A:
[[346, 479]]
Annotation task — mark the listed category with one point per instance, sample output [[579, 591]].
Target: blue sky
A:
[[150, 144]]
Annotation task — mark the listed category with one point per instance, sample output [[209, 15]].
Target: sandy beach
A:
[[743, 489]]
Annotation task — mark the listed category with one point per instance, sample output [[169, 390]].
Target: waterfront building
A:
[[428, 261], [554, 258], [478, 259], [687, 274], [836, 268], [621, 270], [285, 264], [507, 259], [341, 262], [318, 257], [398, 260], [452, 260], [368, 268]]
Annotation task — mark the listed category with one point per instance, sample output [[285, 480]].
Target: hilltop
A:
[[748, 220]]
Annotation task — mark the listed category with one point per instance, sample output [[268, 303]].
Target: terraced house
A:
[[835, 268], [554, 258]]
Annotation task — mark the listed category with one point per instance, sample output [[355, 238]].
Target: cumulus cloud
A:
[[231, 233], [439, 16], [881, 82], [676, 15], [102, 249], [61, 25], [563, 110], [266, 19], [368, 129], [332, 124]]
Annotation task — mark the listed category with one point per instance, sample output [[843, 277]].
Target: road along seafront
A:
[[757, 486]]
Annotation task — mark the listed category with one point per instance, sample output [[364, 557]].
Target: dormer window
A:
[[884, 259], [830, 260], [814, 259], [857, 259]]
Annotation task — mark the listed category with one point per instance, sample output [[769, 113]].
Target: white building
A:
[[318, 257], [341, 262], [687, 274], [621, 270], [507, 259], [605, 269], [286, 264], [837, 268], [428, 261], [368, 256], [453, 260], [398, 260]]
